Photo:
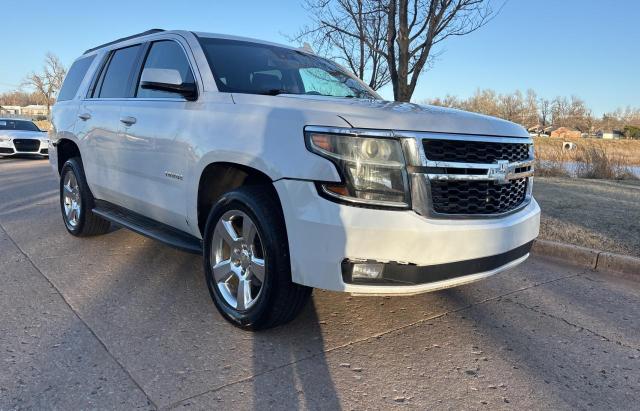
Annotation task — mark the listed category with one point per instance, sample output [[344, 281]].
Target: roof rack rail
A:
[[144, 33]]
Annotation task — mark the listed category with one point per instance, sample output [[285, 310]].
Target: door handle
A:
[[84, 116], [128, 120]]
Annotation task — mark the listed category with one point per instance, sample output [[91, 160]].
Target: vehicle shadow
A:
[[302, 380], [305, 382], [150, 308]]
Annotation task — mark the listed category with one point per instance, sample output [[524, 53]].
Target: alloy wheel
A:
[[238, 260], [71, 199]]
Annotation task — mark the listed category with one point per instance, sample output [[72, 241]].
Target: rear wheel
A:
[[246, 258], [76, 202]]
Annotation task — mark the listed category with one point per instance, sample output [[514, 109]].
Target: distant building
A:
[[612, 135], [565, 133], [11, 110], [540, 130], [32, 110]]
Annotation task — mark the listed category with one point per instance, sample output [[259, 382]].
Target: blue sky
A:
[[587, 48]]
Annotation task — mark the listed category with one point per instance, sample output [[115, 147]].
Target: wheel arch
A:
[[218, 178], [66, 149]]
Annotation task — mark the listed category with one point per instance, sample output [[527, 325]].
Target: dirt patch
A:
[[599, 214]]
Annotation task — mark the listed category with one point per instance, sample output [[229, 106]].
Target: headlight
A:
[[373, 169]]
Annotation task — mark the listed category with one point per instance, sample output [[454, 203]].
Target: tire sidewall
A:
[[237, 200], [73, 166]]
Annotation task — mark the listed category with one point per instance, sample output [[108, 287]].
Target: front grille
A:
[[482, 152], [477, 197], [23, 144]]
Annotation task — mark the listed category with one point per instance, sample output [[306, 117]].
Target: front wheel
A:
[[246, 260]]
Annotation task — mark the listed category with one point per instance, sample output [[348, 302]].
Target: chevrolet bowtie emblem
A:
[[500, 174]]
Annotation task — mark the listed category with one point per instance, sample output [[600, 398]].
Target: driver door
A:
[[154, 147]]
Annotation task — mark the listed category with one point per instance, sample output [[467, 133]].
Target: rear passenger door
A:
[[155, 145], [99, 124]]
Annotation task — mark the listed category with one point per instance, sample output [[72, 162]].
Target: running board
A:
[[148, 227]]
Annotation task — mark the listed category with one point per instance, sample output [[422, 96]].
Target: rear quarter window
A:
[[74, 78]]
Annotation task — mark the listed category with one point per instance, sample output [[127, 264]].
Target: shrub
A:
[[632, 132], [595, 162]]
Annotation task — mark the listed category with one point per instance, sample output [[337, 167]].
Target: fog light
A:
[[367, 271]]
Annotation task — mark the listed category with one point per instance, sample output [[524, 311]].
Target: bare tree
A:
[[48, 83], [352, 49], [560, 111], [447, 101], [414, 27], [545, 111], [529, 111], [513, 107], [530, 116], [572, 112], [18, 98], [580, 115], [485, 102], [401, 32]]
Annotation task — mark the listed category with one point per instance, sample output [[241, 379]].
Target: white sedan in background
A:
[[19, 137]]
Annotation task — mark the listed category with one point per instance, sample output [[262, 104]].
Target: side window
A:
[[74, 77], [115, 78], [165, 54]]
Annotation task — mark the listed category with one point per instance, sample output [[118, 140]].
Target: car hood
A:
[[23, 134], [391, 115]]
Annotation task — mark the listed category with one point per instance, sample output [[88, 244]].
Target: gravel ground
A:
[[600, 214]]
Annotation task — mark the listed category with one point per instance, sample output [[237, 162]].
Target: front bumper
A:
[[25, 146], [323, 235]]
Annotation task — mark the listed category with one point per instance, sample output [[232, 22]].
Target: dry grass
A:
[[551, 163], [600, 214], [603, 159], [627, 152], [595, 162], [43, 124]]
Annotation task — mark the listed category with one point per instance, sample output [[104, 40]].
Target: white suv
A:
[[286, 172]]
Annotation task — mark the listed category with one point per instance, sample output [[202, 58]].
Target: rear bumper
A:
[[420, 254]]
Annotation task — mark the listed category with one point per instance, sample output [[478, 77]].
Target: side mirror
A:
[[168, 80]]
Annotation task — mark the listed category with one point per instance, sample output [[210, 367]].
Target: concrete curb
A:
[[587, 257]]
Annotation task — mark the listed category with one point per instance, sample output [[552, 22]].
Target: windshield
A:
[[245, 67], [23, 125]]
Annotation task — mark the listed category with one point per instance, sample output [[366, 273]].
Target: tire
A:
[[273, 299], [82, 222]]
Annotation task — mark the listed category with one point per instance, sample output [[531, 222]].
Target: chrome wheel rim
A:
[[237, 259], [71, 199]]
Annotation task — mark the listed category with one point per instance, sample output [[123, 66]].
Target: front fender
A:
[[265, 138]]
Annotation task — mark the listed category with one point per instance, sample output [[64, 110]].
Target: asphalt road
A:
[[120, 321]]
